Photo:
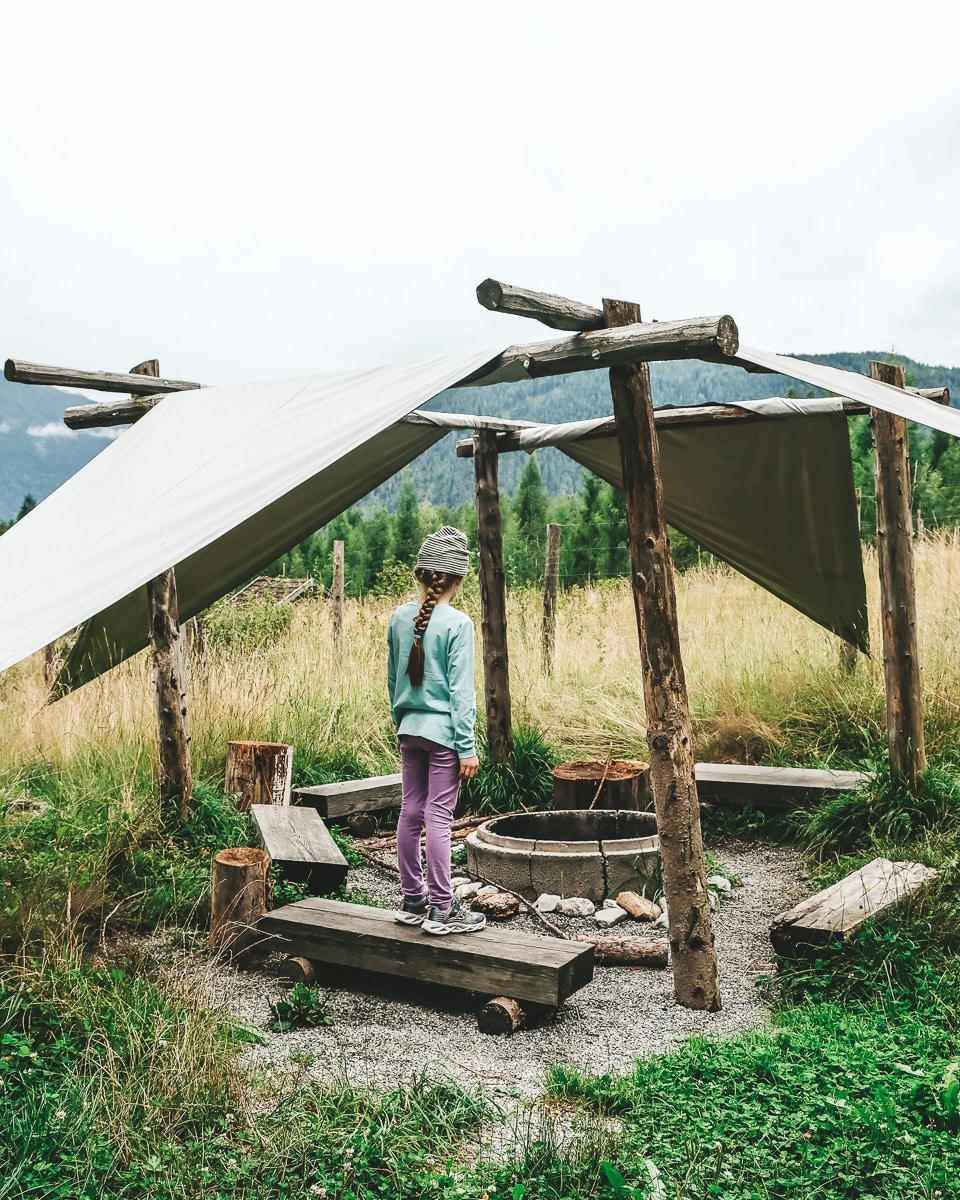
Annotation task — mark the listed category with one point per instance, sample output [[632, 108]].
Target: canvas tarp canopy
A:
[[219, 481], [774, 498]]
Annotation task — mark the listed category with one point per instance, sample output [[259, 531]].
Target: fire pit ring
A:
[[572, 852]]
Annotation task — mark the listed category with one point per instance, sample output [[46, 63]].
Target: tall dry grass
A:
[[764, 682]]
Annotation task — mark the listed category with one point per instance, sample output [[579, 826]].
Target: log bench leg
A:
[[501, 1015], [299, 970]]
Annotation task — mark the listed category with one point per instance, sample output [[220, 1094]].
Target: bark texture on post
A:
[[239, 896], [898, 602], [493, 599], [337, 596], [669, 733], [551, 577], [259, 773], [173, 736]]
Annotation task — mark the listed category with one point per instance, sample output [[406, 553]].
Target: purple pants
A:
[[431, 779]]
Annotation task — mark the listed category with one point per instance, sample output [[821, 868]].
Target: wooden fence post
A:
[[848, 651], [336, 592], [669, 733], [173, 737], [551, 575], [898, 602], [493, 598]]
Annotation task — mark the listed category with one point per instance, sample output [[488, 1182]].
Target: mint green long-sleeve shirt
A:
[[444, 707]]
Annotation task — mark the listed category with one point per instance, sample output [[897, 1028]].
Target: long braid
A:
[[436, 583]]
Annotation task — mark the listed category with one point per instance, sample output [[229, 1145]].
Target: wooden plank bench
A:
[[351, 796], [299, 843], [498, 961], [770, 787], [838, 911]]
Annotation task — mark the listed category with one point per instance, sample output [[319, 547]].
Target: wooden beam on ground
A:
[[493, 599], [494, 961], [714, 339], [556, 311], [166, 653], [669, 732], [551, 577], [300, 844], [18, 371], [334, 801], [836, 913], [898, 601], [779, 789]]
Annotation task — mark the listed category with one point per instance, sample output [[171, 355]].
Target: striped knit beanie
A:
[[446, 550]]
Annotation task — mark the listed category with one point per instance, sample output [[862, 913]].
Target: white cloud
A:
[[5, 426], [54, 429]]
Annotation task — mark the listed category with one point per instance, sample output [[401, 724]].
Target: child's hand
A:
[[469, 767]]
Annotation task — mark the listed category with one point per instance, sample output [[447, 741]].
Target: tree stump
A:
[[239, 894], [259, 773], [500, 1015], [620, 784], [361, 825]]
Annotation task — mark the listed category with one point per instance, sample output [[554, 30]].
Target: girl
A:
[[434, 707]]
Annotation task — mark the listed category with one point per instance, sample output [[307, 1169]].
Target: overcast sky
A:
[[252, 191]]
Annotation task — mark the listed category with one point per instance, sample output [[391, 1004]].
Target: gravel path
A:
[[386, 1030]]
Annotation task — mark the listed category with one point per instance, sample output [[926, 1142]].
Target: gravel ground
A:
[[386, 1031]]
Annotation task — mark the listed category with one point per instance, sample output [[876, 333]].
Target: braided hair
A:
[[436, 583]]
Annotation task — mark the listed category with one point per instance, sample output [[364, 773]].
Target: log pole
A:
[[898, 601], [848, 650], [166, 651], [239, 897], [258, 773], [669, 732], [501, 1015], [336, 593], [493, 599], [551, 578], [628, 952]]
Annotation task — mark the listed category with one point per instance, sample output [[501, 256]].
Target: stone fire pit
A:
[[591, 853]]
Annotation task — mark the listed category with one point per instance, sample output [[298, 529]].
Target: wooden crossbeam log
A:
[[495, 961], [17, 371]]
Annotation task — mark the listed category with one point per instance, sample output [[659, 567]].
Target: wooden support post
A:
[[848, 651], [669, 733], [551, 576], [336, 593], [173, 736], [493, 599], [898, 603]]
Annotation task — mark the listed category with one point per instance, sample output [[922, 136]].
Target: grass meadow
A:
[[117, 1079]]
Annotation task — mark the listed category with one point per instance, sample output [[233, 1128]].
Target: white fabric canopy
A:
[[219, 481]]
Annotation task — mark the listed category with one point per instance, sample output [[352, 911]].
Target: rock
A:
[[639, 907], [576, 906], [458, 881], [610, 904], [498, 906], [466, 890], [720, 883], [663, 921], [488, 889], [546, 903], [611, 916]]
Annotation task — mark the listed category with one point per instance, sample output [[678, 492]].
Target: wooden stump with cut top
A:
[[259, 773], [239, 897], [620, 784]]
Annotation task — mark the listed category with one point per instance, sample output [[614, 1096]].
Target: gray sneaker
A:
[[411, 913], [455, 919]]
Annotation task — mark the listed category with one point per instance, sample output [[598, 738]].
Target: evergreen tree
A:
[[407, 533], [530, 511]]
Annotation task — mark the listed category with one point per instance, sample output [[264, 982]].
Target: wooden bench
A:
[[837, 912], [770, 787], [494, 961], [353, 801], [300, 844]]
